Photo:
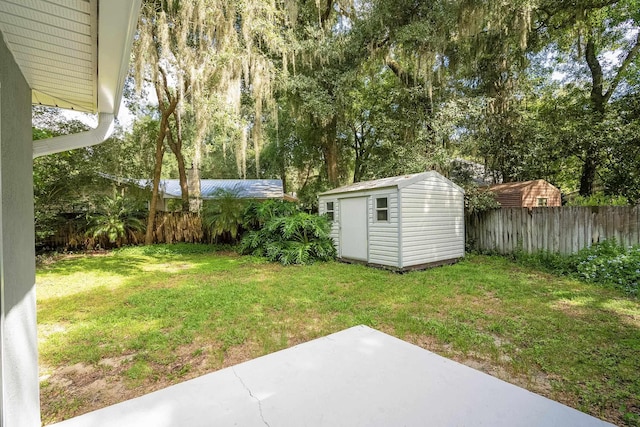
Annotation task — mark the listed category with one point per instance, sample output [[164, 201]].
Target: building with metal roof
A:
[[259, 189]]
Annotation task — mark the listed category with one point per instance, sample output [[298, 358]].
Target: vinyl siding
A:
[[432, 222], [543, 189], [428, 227], [335, 225], [383, 235]]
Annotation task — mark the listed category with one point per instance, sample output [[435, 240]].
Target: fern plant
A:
[[259, 213], [297, 238]]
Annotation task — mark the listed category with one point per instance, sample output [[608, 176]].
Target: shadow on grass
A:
[[103, 263]]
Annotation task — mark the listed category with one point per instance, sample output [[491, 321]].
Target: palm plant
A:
[[223, 216], [117, 220]]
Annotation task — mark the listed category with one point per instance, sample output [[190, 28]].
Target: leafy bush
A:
[[257, 214], [479, 199], [605, 263], [611, 264], [282, 233], [598, 199]]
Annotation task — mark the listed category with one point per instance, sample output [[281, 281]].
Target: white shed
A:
[[404, 222]]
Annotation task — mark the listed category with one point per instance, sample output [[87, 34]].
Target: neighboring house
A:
[[72, 54], [404, 222], [258, 189], [527, 194]]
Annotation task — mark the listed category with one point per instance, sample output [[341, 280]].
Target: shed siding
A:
[[432, 222], [526, 194], [383, 236], [510, 200], [537, 189], [335, 225]]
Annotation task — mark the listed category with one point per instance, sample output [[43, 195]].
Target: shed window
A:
[[382, 209], [330, 211], [542, 201]]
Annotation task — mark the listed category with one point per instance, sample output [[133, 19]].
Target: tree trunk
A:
[[157, 172], [588, 175], [166, 110], [598, 104], [176, 148], [330, 151], [195, 200]]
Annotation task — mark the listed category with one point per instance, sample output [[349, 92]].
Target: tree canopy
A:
[[326, 92]]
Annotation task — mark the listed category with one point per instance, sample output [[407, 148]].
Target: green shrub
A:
[[282, 233], [605, 263], [257, 214], [479, 199], [598, 199], [610, 264]]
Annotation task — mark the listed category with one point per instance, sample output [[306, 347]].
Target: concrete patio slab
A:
[[357, 377]]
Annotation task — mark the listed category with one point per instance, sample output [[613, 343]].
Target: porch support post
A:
[[19, 394]]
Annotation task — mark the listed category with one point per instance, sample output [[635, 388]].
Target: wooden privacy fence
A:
[[561, 229]]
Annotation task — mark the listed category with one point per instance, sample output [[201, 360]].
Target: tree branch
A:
[[625, 63], [597, 97]]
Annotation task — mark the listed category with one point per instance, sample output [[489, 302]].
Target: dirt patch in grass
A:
[[74, 390], [52, 258], [77, 389]]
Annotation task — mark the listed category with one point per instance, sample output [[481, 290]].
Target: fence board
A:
[[559, 229]]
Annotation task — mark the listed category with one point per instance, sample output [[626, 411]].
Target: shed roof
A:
[[394, 181], [243, 188], [517, 186]]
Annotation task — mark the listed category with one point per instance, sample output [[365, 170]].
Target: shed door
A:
[[353, 232]]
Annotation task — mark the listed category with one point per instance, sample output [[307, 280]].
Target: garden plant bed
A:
[[120, 325]]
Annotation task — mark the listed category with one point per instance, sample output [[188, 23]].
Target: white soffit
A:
[[55, 43]]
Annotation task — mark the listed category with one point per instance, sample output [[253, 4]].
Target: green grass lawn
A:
[[116, 326]]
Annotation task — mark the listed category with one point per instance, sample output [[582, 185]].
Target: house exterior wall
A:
[[432, 228], [540, 189], [20, 404]]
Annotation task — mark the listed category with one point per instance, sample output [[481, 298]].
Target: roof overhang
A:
[[391, 182], [74, 54]]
